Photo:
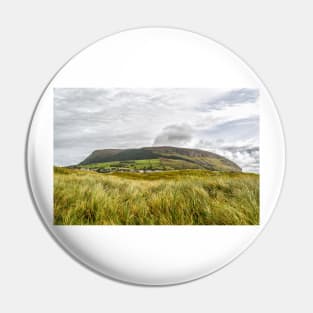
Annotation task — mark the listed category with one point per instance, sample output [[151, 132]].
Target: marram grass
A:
[[181, 197]]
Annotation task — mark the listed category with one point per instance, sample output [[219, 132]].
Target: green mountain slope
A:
[[158, 158]]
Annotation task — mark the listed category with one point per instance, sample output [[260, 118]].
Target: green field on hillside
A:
[[131, 164], [149, 164], [180, 197]]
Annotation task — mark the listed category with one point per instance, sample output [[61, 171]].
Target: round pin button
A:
[[155, 156]]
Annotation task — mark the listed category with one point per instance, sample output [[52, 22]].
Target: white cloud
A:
[[174, 135]]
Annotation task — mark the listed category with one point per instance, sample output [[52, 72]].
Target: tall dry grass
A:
[[187, 197]]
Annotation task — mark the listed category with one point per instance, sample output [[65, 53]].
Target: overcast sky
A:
[[221, 121]]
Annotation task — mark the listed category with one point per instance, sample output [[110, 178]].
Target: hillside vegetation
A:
[[161, 164], [158, 158], [180, 197]]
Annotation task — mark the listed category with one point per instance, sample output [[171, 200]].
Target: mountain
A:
[[158, 158]]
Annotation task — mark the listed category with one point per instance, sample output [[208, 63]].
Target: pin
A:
[[155, 156]]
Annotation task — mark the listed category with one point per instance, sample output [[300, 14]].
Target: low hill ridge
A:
[[172, 157]]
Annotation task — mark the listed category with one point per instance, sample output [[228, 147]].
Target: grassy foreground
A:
[[181, 197]]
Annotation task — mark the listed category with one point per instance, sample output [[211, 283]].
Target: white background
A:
[[274, 38]]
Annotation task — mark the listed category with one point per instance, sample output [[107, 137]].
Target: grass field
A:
[[147, 164], [181, 197]]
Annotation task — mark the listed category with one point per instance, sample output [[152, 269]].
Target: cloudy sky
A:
[[221, 121]]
